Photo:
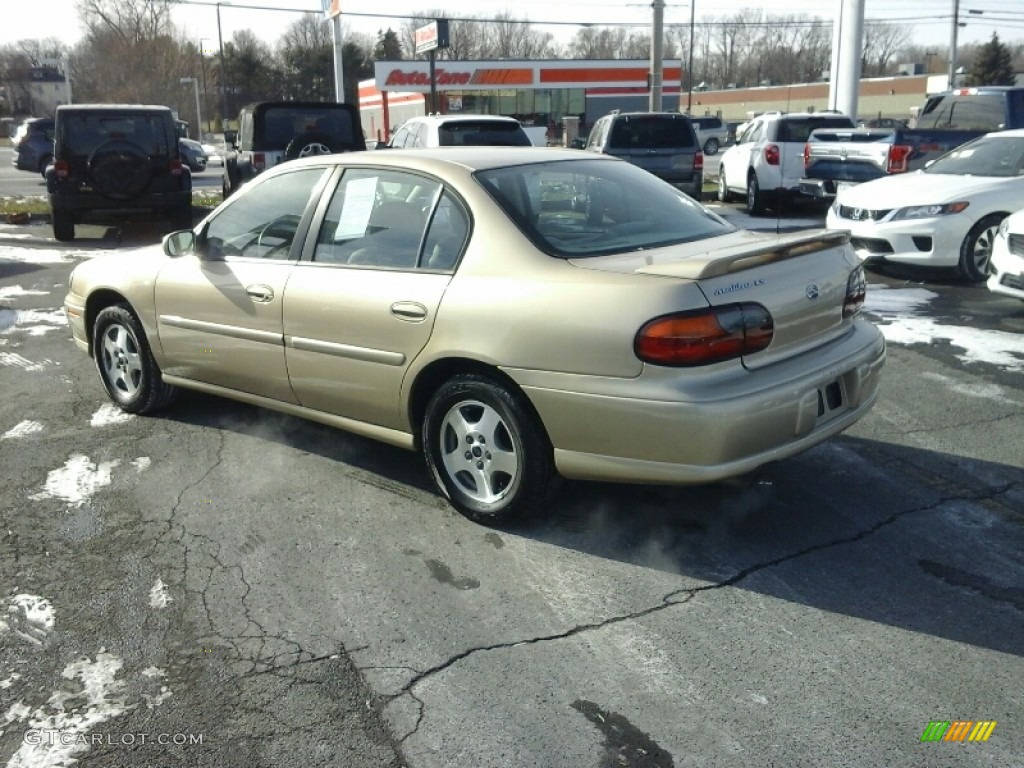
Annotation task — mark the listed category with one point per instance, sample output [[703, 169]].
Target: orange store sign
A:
[[521, 75]]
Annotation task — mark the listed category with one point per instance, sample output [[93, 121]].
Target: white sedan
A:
[[1008, 258], [945, 215]]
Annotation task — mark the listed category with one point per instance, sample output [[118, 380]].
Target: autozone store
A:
[[538, 93]]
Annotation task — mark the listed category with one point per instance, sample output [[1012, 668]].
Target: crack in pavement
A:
[[945, 427], [676, 597]]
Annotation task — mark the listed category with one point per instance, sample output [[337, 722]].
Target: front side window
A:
[[574, 209], [377, 218], [261, 223]]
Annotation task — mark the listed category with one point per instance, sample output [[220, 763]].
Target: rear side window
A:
[[979, 112], [798, 129], [654, 132], [481, 133]]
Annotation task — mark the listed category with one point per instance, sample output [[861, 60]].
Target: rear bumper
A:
[[762, 415], [82, 202], [823, 189]]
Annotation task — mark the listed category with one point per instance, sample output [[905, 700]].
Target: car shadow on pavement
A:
[[915, 539]]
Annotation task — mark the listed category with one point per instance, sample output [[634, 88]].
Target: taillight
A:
[[61, 169], [771, 154], [175, 166], [705, 336], [856, 291], [698, 161], [259, 161], [807, 155], [898, 157], [899, 154]]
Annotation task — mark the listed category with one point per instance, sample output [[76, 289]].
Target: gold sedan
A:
[[516, 314]]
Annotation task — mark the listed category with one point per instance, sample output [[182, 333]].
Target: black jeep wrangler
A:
[[116, 158], [270, 132]]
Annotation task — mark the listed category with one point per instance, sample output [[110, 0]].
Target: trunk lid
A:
[[800, 279]]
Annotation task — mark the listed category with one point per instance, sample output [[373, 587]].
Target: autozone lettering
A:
[[441, 77]]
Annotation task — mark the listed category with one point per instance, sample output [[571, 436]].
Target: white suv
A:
[[460, 130], [766, 163]]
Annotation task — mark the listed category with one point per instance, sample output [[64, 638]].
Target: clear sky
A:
[[930, 19]]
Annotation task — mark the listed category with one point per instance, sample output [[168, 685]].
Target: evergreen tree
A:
[[388, 46], [993, 65]]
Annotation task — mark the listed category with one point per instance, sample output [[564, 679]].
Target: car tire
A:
[[487, 451], [63, 226], [724, 195], [976, 249], [126, 365], [755, 197], [309, 144], [711, 147], [45, 161]]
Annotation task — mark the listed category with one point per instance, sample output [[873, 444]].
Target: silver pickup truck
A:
[[838, 157]]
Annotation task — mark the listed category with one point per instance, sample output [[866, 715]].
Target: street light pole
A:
[[202, 73], [689, 66], [223, 76], [199, 112]]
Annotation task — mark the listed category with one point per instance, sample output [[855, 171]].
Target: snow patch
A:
[[897, 311], [30, 617], [142, 463], [34, 322], [14, 360], [158, 595], [109, 414], [11, 291], [76, 481], [97, 698], [22, 429]]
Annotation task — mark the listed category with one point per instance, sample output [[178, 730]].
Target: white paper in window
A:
[[355, 213]]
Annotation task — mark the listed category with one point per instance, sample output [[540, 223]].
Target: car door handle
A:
[[261, 293], [409, 310]]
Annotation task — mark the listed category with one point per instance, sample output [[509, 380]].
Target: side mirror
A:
[[180, 243]]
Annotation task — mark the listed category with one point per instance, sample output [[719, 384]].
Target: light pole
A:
[[199, 112], [202, 74], [223, 75], [689, 66]]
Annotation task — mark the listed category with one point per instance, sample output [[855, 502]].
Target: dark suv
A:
[[270, 132], [33, 145], [116, 158], [663, 143]]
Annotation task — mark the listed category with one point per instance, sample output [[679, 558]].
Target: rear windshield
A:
[[86, 131], [651, 132], [482, 133], [968, 112], [798, 129], [282, 124], [574, 209]]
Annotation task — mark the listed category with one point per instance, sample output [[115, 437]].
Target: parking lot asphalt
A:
[[279, 594]]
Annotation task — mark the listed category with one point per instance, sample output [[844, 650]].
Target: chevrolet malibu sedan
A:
[[1007, 266], [944, 215], [515, 314]]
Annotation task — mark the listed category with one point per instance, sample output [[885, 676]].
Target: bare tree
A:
[[881, 43]]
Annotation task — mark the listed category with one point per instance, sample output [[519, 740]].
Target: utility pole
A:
[[954, 30], [657, 54], [689, 65], [223, 77]]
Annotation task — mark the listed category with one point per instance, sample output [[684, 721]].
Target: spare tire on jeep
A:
[[119, 169], [308, 144]]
